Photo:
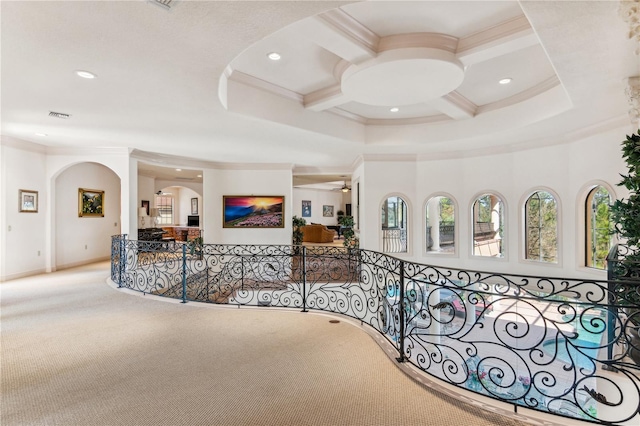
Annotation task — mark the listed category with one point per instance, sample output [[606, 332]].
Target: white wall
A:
[[85, 239], [318, 199], [220, 182], [565, 169], [184, 205], [23, 234], [146, 192]]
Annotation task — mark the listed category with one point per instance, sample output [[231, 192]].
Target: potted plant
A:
[[195, 246], [298, 223], [350, 239], [625, 215]]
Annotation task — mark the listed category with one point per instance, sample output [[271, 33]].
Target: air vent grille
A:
[[59, 115]]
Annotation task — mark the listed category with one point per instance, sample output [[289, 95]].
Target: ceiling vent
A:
[[59, 115], [167, 4]]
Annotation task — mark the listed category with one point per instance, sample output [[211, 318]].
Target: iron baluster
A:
[[184, 273], [402, 304]]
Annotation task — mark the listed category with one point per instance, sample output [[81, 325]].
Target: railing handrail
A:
[[434, 316]]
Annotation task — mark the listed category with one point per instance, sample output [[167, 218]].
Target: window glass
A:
[[164, 205], [541, 227], [598, 235], [394, 225], [440, 225], [488, 226]]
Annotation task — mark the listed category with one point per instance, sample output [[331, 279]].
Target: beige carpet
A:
[[75, 351]]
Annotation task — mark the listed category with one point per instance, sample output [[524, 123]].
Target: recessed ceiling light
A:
[[274, 56], [41, 134], [394, 109], [85, 74], [199, 175], [505, 81], [178, 170]]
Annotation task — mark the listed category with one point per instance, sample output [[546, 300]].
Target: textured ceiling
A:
[[160, 75]]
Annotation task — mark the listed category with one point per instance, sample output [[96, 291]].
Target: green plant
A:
[[625, 215], [350, 239], [195, 245], [297, 222]]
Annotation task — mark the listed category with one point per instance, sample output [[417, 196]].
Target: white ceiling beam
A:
[[325, 98], [342, 35], [455, 106], [506, 37]]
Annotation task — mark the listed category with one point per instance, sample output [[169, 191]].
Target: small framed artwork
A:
[[327, 211], [28, 201], [90, 203], [194, 206], [250, 211], [145, 204], [306, 208]]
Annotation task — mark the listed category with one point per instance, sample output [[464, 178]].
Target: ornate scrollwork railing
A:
[[555, 345]]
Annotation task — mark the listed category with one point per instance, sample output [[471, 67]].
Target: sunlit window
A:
[[541, 227], [598, 232], [394, 225], [164, 204], [440, 225], [488, 226]]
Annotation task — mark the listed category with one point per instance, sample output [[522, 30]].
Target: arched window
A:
[[394, 225], [440, 225], [488, 226], [541, 227], [598, 235]]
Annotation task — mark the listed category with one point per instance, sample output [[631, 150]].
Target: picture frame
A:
[[251, 211], [28, 201], [145, 204], [306, 208], [194, 206], [327, 211], [90, 202]]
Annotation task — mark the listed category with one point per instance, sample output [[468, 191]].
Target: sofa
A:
[[315, 233]]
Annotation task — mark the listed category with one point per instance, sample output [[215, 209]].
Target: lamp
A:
[[142, 213], [154, 216]]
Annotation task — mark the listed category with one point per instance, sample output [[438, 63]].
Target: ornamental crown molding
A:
[[633, 96], [629, 10]]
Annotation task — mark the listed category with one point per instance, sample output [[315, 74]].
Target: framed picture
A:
[[145, 204], [306, 208], [327, 211], [250, 211], [28, 201], [194, 206], [90, 203]]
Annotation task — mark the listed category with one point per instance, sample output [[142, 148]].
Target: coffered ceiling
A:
[[195, 81]]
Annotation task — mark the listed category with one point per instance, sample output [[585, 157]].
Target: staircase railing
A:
[[555, 345]]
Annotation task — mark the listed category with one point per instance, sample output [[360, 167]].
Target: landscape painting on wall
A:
[[90, 202], [249, 211]]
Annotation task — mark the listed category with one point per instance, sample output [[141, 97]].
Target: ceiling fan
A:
[[345, 187]]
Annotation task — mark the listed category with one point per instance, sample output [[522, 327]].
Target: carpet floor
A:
[[75, 351]]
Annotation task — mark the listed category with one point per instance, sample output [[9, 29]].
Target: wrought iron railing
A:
[[394, 240], [548, 344]]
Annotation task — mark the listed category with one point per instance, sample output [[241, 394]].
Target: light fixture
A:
[[41, 134], [345, 189], [505, 80], [394, 109], [178, 170], [85, 74], [199, 175], [142, 213], [154, 213], [274, 56]]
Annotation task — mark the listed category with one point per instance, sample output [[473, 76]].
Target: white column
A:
[[434, 222]]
